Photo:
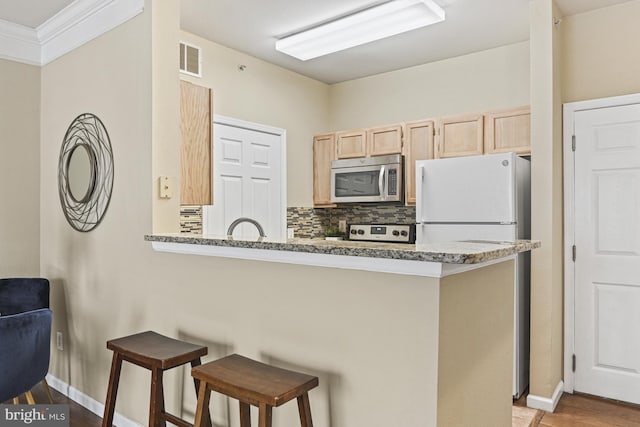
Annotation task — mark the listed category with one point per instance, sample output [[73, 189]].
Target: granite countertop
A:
[[460, 252]]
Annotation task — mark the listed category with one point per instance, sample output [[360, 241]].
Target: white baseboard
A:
[[545, 403], [88, 402]]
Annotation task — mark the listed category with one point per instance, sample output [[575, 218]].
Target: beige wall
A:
[[341, 325], [491, 79], [19, 169], [475, 346], [600, 54], [99, 279], [110, 283], [164, 115], [267, 94], [546, 201]]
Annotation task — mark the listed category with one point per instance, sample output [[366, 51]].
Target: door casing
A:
[[282, 133], [569, 110]]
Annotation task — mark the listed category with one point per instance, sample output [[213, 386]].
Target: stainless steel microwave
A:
[[367, 179]]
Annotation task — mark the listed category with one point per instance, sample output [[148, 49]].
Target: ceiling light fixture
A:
[[375, 23]]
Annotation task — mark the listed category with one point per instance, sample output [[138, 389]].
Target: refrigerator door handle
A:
[[419, 187], [383, 193]]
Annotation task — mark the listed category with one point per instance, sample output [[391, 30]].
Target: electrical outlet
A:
[[290, 234], [59, 341], [342, 225]]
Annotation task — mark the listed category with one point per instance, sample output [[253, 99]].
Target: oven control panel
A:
[[383, 233]]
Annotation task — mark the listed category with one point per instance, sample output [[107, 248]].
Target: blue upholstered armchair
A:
[[25, 333]]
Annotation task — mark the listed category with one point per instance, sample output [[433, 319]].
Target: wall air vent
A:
[[190, 62]]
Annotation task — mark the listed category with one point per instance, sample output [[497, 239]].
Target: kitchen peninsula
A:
[[465, 324]]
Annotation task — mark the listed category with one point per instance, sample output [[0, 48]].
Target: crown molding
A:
[[19, 43], [75, 25]]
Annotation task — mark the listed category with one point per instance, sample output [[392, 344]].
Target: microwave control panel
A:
[[393, 182], [383, 233]]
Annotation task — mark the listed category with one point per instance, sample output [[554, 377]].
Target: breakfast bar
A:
[[465, 323], [430, 260]]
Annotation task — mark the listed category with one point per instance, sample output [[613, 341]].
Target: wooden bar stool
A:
[[157, 353], [252, 383]]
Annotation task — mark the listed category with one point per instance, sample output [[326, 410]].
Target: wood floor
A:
[[578, 410], [79, 416], [589, 411], [574, 410]]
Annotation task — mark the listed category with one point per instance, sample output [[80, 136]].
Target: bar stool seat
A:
[[157, 353], [253, 383]]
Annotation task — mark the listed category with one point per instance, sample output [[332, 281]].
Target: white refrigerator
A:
[[482, 198]]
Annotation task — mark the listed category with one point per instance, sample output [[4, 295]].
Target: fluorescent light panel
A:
[[379, 22]]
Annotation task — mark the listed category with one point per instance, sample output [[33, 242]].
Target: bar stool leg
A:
[[156, 404], [48, 390], [112, 391], [207, 416], [245, 415], [304, 407], [203, 402], [264, 418]]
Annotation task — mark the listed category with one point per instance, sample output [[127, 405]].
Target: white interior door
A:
[[248, 181], [607, 265]]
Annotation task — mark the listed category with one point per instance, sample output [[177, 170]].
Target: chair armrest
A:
[[24, 351]]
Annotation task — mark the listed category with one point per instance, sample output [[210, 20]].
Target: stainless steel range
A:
[[394, 233]]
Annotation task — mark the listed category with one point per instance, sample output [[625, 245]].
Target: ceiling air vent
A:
[[190, 59]]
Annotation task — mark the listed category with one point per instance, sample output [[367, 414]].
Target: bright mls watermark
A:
[[34, 415]]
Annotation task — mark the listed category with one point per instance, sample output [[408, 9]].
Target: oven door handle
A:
[[381, 186]]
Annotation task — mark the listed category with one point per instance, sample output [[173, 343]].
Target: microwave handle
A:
[[419, 193], [383, 193]]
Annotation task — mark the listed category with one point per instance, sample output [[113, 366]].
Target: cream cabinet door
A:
[[351, 144], [384, 140], [508, 130], [460, 136], [324, 151], [195, 145], [418, 146]]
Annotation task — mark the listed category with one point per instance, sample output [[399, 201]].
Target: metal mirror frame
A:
[[86, 131]]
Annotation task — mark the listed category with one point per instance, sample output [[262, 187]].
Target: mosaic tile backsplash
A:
[[191, 219], [310, 223]]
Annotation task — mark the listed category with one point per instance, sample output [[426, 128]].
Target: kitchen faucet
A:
[[240, 220]]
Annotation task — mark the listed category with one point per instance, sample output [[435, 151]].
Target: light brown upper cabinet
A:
[[418, 146], [324, 151], [508, 130], [351, 144], [195, 145], [384, 140], [460, 136]]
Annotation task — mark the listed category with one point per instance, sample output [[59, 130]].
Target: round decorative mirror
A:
[[81, 176], [85, 172]]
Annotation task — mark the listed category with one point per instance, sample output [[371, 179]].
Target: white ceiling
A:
[[253, 26], [573, 7], [30, 13]]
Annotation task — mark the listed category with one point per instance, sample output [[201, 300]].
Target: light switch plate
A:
[[342, 225], [166, 187]]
